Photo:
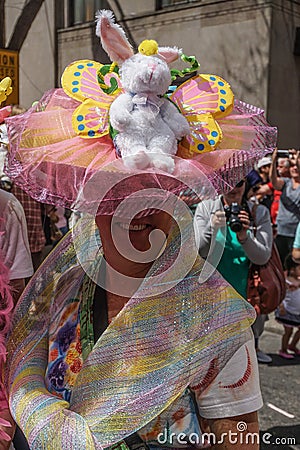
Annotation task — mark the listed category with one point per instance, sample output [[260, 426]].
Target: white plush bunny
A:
[[148, 124]]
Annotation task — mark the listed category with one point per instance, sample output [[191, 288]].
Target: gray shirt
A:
[[289, 209], [257, 248]]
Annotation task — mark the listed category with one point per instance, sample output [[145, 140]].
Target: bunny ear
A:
[[113, 37], [169, 54]]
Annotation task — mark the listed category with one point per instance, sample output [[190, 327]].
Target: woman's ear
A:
[[113, 37]]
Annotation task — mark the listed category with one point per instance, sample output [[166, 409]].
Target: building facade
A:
[[253, 44]]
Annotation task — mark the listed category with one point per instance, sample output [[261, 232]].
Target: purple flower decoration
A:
[[66, 336], [56, 374]]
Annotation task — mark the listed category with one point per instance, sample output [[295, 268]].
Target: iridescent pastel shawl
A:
[[154, 348]]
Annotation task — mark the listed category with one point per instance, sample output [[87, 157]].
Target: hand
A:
[[296, 255], [292, 285], [276, 180], [244, 218], [122, 122], [218, 219], [53, 217], [282, 310], [222, 428]]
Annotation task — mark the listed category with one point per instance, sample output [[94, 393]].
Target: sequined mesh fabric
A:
[[51, 163], [155, 347]]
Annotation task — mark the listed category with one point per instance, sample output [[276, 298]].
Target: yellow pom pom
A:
[[5, 89], [148, 47]]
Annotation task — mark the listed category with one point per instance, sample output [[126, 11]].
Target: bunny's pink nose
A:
[[152, 66]]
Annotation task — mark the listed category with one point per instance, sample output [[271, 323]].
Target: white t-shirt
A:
[[234, 392], [13, 237]]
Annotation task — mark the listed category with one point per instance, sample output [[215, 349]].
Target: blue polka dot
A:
[[200, 147], [80, 66], [222, 108], [211, 142], [90, 64], [75, 83], [220, 83], [223, 100], [79, 118], [91, 133], [75, 90], [214, 133], [81, 127], [212, 78], [76, 74], [223, 91]]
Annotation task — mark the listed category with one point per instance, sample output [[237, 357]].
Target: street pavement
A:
[[280, 384]]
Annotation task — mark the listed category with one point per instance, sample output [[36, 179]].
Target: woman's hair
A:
[[290, 263], [17, 109], [252, 179]]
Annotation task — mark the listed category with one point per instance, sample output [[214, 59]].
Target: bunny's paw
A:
[[138, 160], [164, 162]]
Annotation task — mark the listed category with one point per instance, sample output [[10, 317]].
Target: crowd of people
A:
[[109, 341]]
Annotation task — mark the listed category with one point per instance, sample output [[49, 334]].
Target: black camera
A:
[[283, 154], [231, 213]]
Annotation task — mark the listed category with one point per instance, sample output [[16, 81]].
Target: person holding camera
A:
[[288, 215], [226, 238], [266, 194]]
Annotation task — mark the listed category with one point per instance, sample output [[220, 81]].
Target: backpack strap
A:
[[253, 214]]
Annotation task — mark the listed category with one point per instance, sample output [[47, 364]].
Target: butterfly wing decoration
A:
[[203, 100], [83, 81]]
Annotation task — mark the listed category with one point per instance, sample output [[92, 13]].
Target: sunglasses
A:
[[240, 184]]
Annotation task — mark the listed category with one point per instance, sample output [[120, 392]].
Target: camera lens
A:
[[235, 225], [233, 220]]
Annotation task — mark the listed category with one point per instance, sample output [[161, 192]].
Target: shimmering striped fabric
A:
[[155, 347]]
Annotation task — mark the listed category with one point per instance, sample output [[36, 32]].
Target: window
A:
[[82, 11], [160, 4]]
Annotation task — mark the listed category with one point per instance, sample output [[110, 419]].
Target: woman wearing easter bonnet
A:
[[120, 340]]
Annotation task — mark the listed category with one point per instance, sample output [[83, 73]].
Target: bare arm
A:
[[296, 254], [263, 190], [277, 182], [229, 435], [296, 245], [298, 160]]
